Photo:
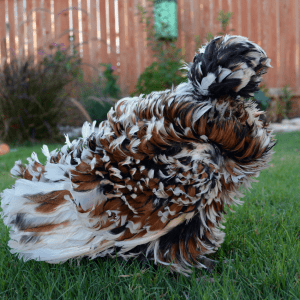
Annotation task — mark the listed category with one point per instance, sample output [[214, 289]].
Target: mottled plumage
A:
[[156, 177]]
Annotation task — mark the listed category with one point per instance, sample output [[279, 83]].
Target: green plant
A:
[[159, 76], [165, 71], [286, 98], [70, 64], [99, 96], [282, 105], [110, 86], [94, 102], [32, 96], [224, 19], [262, 97]]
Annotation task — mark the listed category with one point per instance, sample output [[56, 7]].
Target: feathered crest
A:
[[228, 66]]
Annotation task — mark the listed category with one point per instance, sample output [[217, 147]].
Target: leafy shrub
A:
[[99, 96], [159, 76], [32, 96], [286, 99], [109, 82], [165, 71], [261, 97]]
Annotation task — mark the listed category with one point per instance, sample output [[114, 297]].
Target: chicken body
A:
[[156, 177]]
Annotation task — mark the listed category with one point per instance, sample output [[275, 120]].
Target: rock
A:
[[4, 148], [286, 125], [72, 132]]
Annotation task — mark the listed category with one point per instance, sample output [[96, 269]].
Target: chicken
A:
[[155, 179]]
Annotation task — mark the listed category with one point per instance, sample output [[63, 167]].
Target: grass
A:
[[262, 237]]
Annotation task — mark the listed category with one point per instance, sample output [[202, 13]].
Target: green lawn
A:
[[263, 239]]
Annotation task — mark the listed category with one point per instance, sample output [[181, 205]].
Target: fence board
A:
[[243, 15], [29, 23], [253, 21], [123, 53], [272, 42], [112, 33], [215, 29], [298, 42], [291, 34], [75, 26], [103, 43], [20, 28], [150, 13], [225, 5], [12, 34], [197, 24], [63, 27], [180, 40], [93, 35], [140, 43], [2, 30], [48, 38], [273, 24], [205, 17], [39, 26], [87, 69], [235, 17], [132, 67], [188, 31], [284, 26], [57, 21]]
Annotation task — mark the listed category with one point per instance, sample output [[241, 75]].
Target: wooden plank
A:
[[225, 8], [217, 28], [2, 31], [224, 5], [235, 17], [40, 15], [284, 42], [140, 44], [265, 24], [270, 35], [259, 14], [12, 33], [48, 37], [253, 18], [85, 47], [278, 42], [29, 14], [103, 42], [150, 13], [231, 29], [243, 14], [205, 17], [187, 28], [75, 28], [132, 72], [57, 21], [291, 44], [192, 45], [298, 43], [180, 40], [63, 15], [196, 24], [20, 28], [112, 32], [93, 37], [123, 49]]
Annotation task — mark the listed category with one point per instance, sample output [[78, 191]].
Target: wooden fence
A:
[[109, 31]]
